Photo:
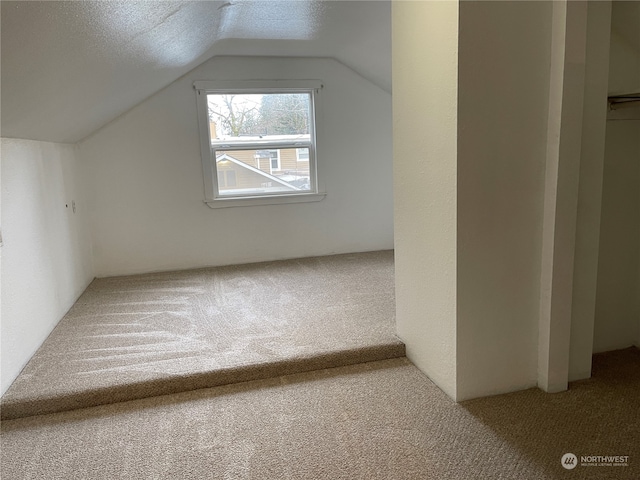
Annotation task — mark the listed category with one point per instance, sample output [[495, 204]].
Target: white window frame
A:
[[208, 152]]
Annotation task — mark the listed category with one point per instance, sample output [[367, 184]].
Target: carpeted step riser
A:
[[170, 385]]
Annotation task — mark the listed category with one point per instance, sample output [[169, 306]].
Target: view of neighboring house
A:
[[268, 170]]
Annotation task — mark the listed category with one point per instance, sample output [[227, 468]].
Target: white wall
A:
[[503, 80], [618, 300], [46, 254], [617, 308], [145, 176], [425, 122], [624, 65], [1, 250]]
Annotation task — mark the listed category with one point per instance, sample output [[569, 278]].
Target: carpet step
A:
[[146, 335], [14, 406]]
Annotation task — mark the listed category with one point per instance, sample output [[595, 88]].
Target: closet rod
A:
[[622, 101]]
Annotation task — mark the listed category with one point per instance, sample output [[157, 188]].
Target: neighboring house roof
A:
[[225, 156]]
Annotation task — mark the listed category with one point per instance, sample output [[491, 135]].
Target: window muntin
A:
[[256, 135]]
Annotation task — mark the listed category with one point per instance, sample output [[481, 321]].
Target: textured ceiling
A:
[[68, 68]]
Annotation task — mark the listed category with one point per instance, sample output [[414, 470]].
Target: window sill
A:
[[265, 200]]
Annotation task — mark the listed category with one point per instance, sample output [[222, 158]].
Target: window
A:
[[271, 156], [302, 154], [258, 141]]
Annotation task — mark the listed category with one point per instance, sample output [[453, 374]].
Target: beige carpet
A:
[[381, 420], [144, 335]]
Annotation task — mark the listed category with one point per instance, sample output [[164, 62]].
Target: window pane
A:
[[250, 117], [253, 172]]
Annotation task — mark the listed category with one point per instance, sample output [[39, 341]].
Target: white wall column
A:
[[585, 269], [568, 58], [503, 89], [470, 99], [425, 123]]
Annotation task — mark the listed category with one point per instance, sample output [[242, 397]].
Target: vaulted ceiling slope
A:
[[69, 68]]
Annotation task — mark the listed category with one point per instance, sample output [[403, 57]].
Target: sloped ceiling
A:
[[68, 68]]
